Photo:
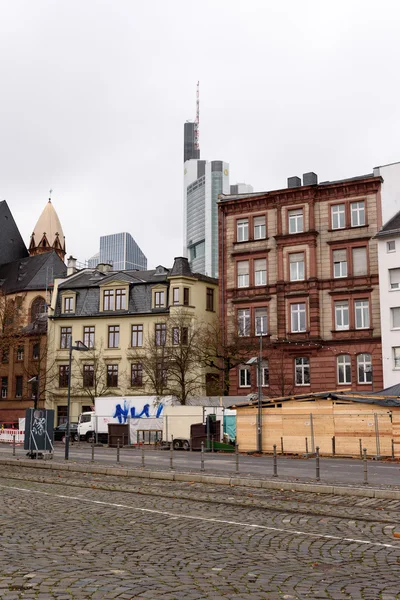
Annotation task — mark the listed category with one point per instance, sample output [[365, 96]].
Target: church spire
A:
[[48, 234]]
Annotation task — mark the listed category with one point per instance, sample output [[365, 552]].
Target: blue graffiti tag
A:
[[122, 413]]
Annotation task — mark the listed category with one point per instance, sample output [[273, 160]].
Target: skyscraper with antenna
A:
[[191, 144]]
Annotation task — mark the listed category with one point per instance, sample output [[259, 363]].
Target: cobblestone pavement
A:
[[68, 536]]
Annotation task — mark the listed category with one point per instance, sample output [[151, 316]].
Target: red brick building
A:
[[298, 269]]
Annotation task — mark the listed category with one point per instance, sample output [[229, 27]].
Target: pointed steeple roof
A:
[[48, 233]]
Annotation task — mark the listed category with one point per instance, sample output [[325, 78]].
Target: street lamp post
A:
[[258, 361], [80, 347]]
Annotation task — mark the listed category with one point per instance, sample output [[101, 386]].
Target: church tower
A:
[[48, 234]]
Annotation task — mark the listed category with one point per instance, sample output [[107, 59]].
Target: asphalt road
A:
[[67, 538], [332, 470]]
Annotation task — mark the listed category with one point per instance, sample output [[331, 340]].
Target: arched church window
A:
[[38, 307]]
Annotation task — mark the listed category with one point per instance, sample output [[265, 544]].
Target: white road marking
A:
[[208, 520]]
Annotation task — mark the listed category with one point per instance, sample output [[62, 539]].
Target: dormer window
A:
[[69, 304], [120, 299], [108, 300], [159, 299]]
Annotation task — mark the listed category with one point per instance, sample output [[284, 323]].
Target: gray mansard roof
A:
[[86, 285], [31, 273]]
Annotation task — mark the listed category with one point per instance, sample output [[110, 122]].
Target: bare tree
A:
[[12, 320], [280, 368], [40, 368]]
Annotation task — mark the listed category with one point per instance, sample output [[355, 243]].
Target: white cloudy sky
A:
[[94, 94]]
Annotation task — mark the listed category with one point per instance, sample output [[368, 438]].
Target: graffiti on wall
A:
[[125, 411]]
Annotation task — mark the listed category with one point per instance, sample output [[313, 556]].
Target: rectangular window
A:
[[120, 299], [63, 376], [391, 246], [69, 304], [264, 374], [4, 387], [243, 322], [296, 262], [342, 315], [20, 353], [137, 336], [343, 363], [113, 336], [5, 355], [260, 271], [244, 377], [18, 386], [395, 317], [175, 336], [161, 373], [359, 261], [108, 300], [88, 376], [302, 371], [243, 273], [298, 317], [357, 213], [364, 368], [242, 230], [175, 296], [295, 217], [210, 299], [112, 375], [88, 336], [339, 263], [396, 357], [260, 315], [161, 334], [338, 214], [260, 230], [180, 336], [66, 333], [159, 301], [361, 310], [185, 296], [136, 374], [394, 278], [35, 351]]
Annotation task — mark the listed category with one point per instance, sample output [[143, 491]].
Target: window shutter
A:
[[340, 255], [298, 257], [396, 316], [260, 264], [259, 221], [394, 276], [359, 261], [243, 267]]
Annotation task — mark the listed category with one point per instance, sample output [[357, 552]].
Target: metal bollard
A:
[[281, 445], [275, 463], [142, 455], [118, 450], [365, 467], [333, 446], [361, 452], [306, 445], [13, 445], [317, 463], [392, 449], [202, 457], [171, 454], [237, 459], [212, 443], [92, 448]]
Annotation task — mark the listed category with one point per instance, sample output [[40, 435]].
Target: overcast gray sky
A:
[[94, 94]]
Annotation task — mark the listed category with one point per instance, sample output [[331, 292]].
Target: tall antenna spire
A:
[[197, 120]]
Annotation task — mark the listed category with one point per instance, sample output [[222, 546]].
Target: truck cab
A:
[[86, 426]]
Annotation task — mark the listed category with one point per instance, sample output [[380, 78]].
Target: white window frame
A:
[[247, 377], [340, 267], [297, 268], [357, 213], [243, 279], [301, 368], [244, 323], [296, 220], [296, 313], [260, 275], [341, 312], [361, 309], [365, 364], [242, 230], [396, 358], [343, 369], [390, 248], [260, 227], [392, 314], [395, 285], [337, 212], [264, 374], [261, 320]]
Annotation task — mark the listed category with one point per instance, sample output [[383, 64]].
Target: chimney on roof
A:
[[293, 182], [310, 178], [71, 265], [104, 267]]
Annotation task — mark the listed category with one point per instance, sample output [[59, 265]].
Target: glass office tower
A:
[[121, 251]]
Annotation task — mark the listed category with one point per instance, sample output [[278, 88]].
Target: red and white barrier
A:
[[6, 435]]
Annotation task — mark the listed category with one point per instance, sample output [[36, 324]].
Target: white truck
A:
[[177, 421], [142, 414]]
